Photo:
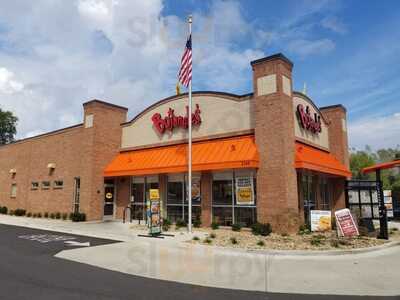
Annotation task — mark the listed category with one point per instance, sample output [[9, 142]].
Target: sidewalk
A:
[[363, 273], [113, 230]]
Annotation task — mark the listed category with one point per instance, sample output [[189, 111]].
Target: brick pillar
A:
[[338, 146], [277, 199], [123, 191], [338, 142], [206, 205]]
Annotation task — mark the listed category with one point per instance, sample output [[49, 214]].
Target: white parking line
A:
[[46, 238]]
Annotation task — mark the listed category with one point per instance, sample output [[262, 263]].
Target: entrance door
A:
[[109, 198]]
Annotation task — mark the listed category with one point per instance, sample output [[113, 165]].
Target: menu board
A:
[[155, 212], [244, 191], [387, 198], [345, 222], [321, 220]]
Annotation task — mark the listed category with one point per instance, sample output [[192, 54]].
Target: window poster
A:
[[244, 191]]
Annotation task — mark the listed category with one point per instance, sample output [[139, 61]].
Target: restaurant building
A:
[[268, 156]]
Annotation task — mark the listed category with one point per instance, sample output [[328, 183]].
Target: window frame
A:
[[45, 187], [14, 190], [56, 186]]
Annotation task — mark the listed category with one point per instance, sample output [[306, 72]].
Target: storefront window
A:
[[139, 192], [233, 198], [324, 194], [177, 199], [309, 194]]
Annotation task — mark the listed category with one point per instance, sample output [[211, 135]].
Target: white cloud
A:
[[334, 24], [378, 132], [8, 85], [307, 47], [126, 52]]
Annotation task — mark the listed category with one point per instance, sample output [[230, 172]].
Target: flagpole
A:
[[190, 142]]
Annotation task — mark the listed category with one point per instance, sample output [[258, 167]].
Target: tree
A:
[[8, 127], [358, 161]]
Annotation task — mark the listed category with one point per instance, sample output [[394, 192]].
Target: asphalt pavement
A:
[[29, 270]]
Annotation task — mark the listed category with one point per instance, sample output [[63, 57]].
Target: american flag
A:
[[185, 73]]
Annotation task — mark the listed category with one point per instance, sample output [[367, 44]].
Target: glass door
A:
[[109, 198]]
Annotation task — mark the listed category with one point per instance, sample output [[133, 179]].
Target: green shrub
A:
[[166, 224], [317, 240], [29, 214], [197, 223], [303, 229], [64, 216], [207, 240], [46, 215], [196, 238], [213, 235], [236, 227], [263, 229], [214, 225], [260, 243], [52, 216], [20, 212], [11, 212], [234, 241], [334, 243], [180, 223], [58, 215], [284, 234], [39, 215], [34, 215], [3, 210], [78, 217]]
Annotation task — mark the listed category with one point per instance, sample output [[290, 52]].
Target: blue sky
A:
[[54, 55]]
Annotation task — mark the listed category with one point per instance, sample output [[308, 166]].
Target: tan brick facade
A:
[[269, 114]]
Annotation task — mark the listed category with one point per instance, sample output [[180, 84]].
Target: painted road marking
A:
[[77, 244], [46, 238]]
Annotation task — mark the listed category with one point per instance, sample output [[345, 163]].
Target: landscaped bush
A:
[[58, 215], [78, 217], [213, 235], [3, 210], [180, 223], [196, 238], [34, 215], [317, 240], [214, 225], [303, 229], [263, 229], [46, 214], [39, 215], [260, 243], [20, 212], [207, 240], [64, 216], [29, 214], [236, 227], [166, 223], [234, 241], [52, 216], [197, 223]]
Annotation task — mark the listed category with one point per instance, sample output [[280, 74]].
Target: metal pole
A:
[[190, 142], [383, 224]]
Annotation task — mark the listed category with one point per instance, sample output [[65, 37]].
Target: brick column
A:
[[277, 199], [338, 146], [206, 205]]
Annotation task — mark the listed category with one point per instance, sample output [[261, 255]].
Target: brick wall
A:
[[76, 151]]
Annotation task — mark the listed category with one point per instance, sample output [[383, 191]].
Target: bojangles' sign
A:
[[171, 121], [307, 121]]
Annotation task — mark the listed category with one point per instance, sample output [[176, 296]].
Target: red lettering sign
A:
[[345, 222], [172, 121], [307, 121]]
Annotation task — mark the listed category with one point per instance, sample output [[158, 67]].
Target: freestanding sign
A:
[[321, 220], [345, 222], [155, 212]]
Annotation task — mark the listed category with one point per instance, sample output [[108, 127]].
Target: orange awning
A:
[[314, 159], [382, 166], [229, 153]]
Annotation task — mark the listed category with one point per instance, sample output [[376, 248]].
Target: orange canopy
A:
[[229, 153], [311, 158], [382, 166]]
